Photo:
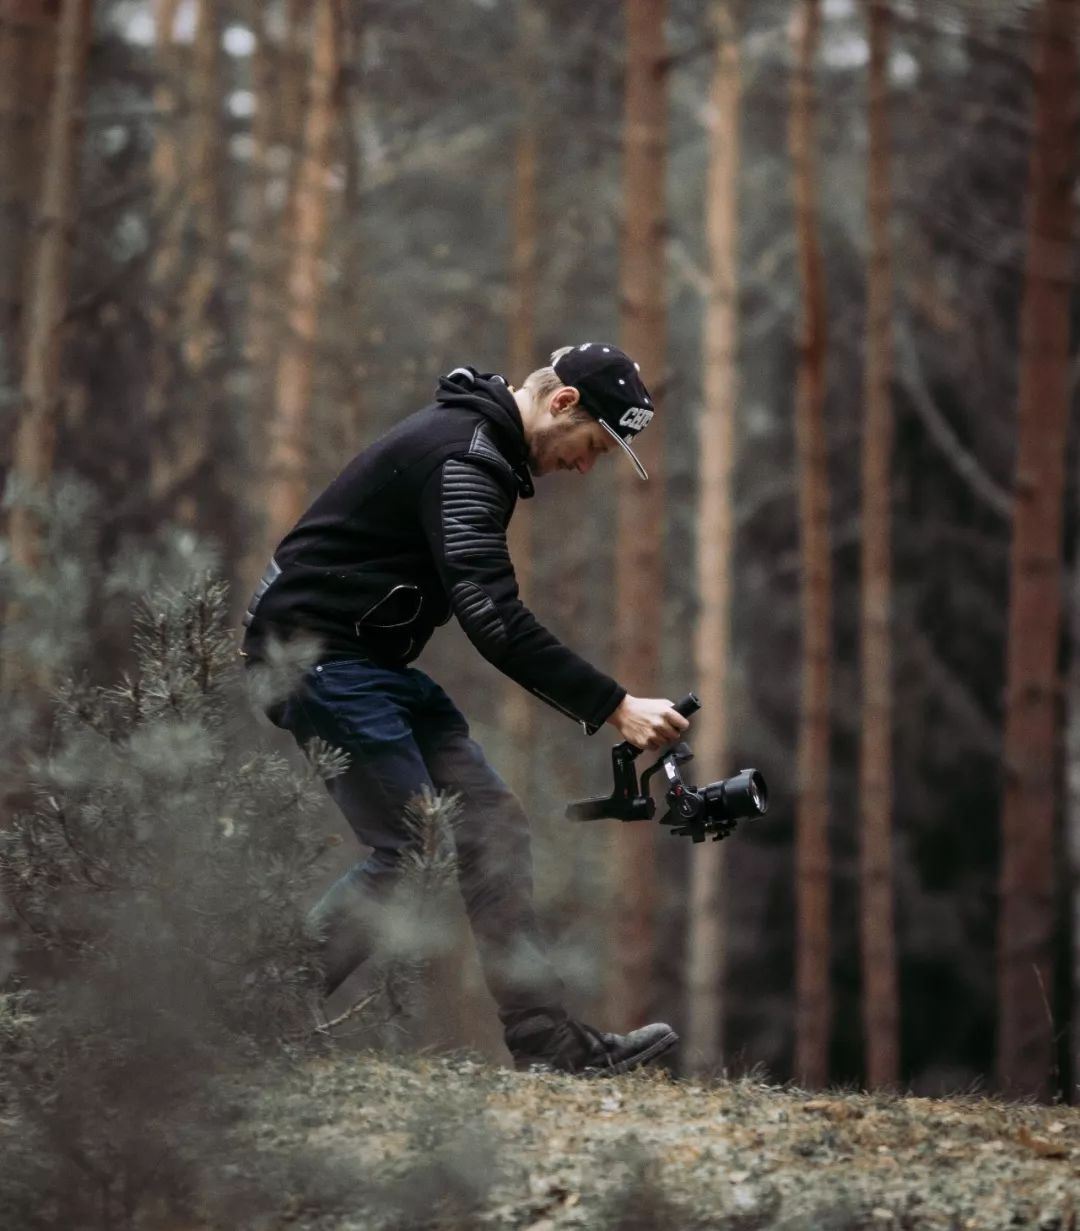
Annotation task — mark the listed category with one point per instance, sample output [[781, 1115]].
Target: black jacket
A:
[[413, 531]]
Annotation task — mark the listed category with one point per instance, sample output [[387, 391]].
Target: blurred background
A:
[[241, 238]]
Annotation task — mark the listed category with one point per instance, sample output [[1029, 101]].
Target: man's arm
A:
[[464, 509]]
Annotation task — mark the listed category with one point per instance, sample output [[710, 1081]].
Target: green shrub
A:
[[154, 883]]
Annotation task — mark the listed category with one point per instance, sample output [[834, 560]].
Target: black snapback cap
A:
[[610, 388]]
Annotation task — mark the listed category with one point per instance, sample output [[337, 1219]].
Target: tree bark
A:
[[49, 277], [878, 950], [190, 410], [639, 581], [812, 1007], [11, 198], [28, 44], [288, 459], [517, 707], [265, 236], [170, 206], [1072, 810], [1026, 938], [294, 84], [274, 72], [706, 945]]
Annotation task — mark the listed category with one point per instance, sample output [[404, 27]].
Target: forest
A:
[[242, 239]]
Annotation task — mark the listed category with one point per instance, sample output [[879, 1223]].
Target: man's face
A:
[[559, 443]]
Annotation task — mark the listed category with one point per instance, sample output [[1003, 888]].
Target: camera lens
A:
[[759, 792], [734, 798]]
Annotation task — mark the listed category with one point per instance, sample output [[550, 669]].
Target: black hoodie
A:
[[412, 531]]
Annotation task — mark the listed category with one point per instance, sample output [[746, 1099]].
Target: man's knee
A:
[[460, 765]]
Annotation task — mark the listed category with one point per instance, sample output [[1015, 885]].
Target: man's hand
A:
[[648, 722]]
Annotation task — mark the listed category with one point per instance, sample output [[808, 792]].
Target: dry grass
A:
[[453, 1143]]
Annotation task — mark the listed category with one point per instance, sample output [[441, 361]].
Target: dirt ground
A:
[[368, 1141]]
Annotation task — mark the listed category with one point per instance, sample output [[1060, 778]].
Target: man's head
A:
[[590, 400]]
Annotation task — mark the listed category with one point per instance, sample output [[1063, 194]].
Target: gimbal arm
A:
[[626, 801]]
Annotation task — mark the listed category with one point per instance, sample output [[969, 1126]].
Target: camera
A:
[[713, 810]]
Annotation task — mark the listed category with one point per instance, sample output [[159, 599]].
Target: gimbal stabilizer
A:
[[697, 812]]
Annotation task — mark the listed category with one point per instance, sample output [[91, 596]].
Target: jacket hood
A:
[[489, 395]]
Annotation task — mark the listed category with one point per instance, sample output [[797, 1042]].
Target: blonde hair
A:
[[544, 381]]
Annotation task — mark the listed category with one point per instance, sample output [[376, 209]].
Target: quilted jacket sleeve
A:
[[465, 508]]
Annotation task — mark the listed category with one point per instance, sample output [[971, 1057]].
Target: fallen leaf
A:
[[1042, 1147], [835, 1109]]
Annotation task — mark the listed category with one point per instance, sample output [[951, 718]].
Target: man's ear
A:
[[564, 400]]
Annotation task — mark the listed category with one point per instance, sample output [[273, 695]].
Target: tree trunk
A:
[[11, 197], [288, 477], [28, 45], [201, 321], [49, 274], [294, 85], [880, 1012], [170, 205], [265, 235], [184, 393], [517, 708], [1026, 938], [812, 1007], [639, 582], [1073, 815], [1072, 812], [274, 72], [706, 944]]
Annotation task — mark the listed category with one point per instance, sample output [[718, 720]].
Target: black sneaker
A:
[[546, 1044]]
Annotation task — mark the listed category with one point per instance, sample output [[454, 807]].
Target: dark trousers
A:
[[402, 733]]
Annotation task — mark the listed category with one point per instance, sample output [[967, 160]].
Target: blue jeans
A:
[[402, 732]]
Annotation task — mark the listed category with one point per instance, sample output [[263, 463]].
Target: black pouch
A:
[[387, 626], [398, 608]]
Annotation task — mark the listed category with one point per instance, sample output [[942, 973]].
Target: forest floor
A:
[[365, 1141]]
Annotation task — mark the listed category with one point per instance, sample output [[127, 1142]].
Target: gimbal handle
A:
[[687, 706], [626, 802]]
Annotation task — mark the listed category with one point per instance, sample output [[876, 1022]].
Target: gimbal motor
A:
[[713, 810]]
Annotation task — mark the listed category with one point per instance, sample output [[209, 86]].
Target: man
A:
[[411, 532]]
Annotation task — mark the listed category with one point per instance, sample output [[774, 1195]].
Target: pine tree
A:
[[716, 526], [517, 704], [639, 560], [49, 275], [812, 856], [28, 47], [880, 1009], [287, 467], [154, 878], [1028, 858]]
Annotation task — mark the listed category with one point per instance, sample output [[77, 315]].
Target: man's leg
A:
[[494, 862], [495, 873], [367, 711]]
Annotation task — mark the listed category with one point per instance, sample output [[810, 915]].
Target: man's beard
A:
[[542, 446]]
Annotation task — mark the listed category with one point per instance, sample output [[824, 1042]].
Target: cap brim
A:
[[625, 447]]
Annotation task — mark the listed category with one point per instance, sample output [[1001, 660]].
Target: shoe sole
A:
[[633, 1062], [664, 1044]]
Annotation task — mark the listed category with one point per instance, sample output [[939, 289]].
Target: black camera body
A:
[[713, 810]]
